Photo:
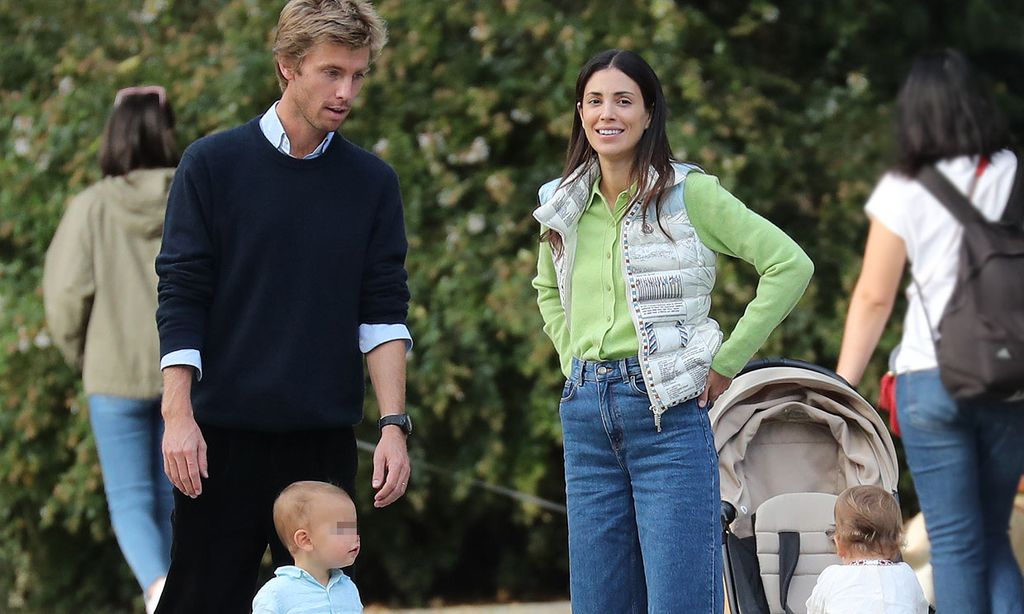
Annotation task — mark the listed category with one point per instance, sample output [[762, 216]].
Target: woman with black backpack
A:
[[965, 451]]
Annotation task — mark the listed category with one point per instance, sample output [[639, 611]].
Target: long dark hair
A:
[[943, 111], [652, 152], [139, 134]]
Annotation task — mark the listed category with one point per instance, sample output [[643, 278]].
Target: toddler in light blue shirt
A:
[[316, 521]]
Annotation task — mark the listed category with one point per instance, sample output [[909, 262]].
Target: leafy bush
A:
[[787, 102]]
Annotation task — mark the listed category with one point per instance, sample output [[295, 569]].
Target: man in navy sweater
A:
[[282, 265]]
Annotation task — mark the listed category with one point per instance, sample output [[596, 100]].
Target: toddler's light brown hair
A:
[[293, 507], [868, 521]]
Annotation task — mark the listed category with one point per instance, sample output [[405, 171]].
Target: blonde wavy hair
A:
[[303, 24], [868, 521]]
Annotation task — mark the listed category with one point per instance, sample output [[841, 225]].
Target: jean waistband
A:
[[604, 370]]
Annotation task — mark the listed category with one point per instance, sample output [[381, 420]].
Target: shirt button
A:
[[609, 318]]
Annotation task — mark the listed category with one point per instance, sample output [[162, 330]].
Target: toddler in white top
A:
[[871, 579]]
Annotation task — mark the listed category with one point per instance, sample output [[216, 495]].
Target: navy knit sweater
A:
[[268, 266]]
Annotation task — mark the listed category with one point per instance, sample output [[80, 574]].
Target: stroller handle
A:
[[764, 363]]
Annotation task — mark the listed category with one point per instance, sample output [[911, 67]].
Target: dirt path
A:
[[561, 607]]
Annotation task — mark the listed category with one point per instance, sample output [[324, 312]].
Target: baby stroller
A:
[[790, 437]]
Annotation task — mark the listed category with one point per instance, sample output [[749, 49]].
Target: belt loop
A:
[[624, 370], [583, 367]]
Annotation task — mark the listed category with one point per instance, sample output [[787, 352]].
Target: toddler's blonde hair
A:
[[293, 507], [868, 521]]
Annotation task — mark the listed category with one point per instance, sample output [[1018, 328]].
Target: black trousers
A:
[[220, 537]]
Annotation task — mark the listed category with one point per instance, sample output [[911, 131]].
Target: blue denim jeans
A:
[[643, 506], [966, 460], [128, 435]]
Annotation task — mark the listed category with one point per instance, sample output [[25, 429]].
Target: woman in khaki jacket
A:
[[99, 287]]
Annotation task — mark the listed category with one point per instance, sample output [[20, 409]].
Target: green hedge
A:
[[787, 102]]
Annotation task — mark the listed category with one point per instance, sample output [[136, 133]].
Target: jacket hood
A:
[[138, 200]]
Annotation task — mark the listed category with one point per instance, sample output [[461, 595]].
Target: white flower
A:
[[381, 147], [453, 237], [520, 116], [151, 9], [430, 142], [831, 106], [475, 223], [66, 85], [448, 197], [478, 152], [21, 146], [857, 82], [23, 341], [42, 339]]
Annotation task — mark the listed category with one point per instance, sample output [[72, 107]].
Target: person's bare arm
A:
[[184, 448], [885, 255], [391, 466]]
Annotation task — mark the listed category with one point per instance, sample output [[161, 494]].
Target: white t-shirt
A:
[[867, 589], [932, 238]]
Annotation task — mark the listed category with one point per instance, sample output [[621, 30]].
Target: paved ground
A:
[[519, 608]]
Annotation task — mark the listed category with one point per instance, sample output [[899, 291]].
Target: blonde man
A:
[[282, 265]]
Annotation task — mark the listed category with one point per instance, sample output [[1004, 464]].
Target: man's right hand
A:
[[184, 448]]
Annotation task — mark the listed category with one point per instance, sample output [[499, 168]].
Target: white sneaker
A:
[[155, 590]]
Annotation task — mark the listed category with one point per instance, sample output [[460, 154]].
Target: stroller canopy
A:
[[796, 428]]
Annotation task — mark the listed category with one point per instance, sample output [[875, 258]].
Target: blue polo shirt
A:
[[295, 590]]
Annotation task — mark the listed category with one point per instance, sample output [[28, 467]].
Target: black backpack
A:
[[980, 347]]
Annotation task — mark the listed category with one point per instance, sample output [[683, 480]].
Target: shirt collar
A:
[[293, 571], [273, 129], [622, 201]]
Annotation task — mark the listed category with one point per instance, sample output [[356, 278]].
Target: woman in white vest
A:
[[966, 458], [624, 280]]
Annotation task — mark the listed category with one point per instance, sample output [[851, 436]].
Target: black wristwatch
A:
[[402, 421]]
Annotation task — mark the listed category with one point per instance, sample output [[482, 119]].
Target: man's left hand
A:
[[391, 467]]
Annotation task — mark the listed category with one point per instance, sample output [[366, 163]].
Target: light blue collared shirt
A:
[[273, 129], [370, 335], [294, 587]]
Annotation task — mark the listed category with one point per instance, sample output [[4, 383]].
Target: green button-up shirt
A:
[[599, 304]]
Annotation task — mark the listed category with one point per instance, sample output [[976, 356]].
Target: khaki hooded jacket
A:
[[99, 283]]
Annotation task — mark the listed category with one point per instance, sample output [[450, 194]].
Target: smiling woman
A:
[[614, 118], [624, 281]]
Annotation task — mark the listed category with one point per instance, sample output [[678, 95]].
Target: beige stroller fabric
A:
[[789, 429], [806, 514]]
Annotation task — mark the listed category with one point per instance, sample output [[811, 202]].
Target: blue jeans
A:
[[966, 460], [643, 506], [128, 435]]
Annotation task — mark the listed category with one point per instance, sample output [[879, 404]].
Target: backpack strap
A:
[[1014, 212], [950, 197]]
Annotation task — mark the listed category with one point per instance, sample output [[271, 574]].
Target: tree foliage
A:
[[788, 102]]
